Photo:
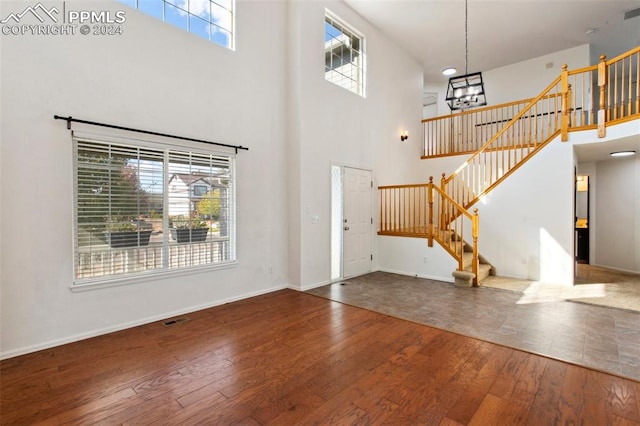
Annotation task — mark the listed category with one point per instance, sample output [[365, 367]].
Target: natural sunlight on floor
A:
[[555, 260], [539, 292]]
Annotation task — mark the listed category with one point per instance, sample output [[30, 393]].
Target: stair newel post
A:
[[430, 200], [565, 90], [602, 84], [474, 233], [444, 220]]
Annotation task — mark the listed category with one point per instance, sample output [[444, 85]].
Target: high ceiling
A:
[[500, 32]]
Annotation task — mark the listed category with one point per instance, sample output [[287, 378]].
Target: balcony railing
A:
[[97, 261], [594, 97]]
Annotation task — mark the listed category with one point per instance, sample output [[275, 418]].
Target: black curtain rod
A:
[[70, 119]]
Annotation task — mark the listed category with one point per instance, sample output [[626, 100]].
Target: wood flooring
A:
[[290, 358]]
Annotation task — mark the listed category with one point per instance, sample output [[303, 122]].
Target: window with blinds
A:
[[143, 210]]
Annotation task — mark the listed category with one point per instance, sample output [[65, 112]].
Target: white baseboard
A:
[[130, 324], [628, 271], [413, 274], [310, 286]]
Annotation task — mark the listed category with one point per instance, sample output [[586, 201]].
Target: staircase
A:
[[502, 139], [465, 276]]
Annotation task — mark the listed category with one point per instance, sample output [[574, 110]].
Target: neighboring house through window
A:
[[128, 224], [344, 55], [210, 19]]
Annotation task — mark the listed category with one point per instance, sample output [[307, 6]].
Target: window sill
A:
[[81, 286]]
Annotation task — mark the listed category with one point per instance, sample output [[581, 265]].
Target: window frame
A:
[[351, 32], [190, 16], [164, 271]]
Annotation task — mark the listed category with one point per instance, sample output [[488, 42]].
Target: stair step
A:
[[467, 260], [484, 271]]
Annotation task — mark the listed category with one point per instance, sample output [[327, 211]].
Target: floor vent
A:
[[632, 13], [174, 321]]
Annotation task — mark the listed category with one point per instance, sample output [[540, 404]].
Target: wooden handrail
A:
[[583, 70], [463, 210], [481, 109], [447, 228], [623, 55], [504, 129], [518, 131], [460, 134]]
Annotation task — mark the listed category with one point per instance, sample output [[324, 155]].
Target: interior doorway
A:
[[351, 222], [582, 218]]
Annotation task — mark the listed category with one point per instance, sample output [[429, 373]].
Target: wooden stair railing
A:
[[448, 228], [522, 137], [515, 133], [602, 95], [403, 210], [426, 211], [547, 115], [466, 132]]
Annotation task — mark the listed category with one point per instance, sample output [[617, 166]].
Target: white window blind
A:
[[142, 210]]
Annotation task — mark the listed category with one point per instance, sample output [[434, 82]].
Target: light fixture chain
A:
[[466, 40]]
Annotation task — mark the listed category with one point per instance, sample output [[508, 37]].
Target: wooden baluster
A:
[[430, 200], [622, 106], [475, 227], [615, 92], [387, 215], [602, 84], [630, 84], [565, 103], [380, 204], [443, 187], [403, 209], [394, 203], [415, 211], [549, 115], [637, 83]]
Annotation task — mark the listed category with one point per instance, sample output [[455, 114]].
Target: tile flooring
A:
[[602, 338]]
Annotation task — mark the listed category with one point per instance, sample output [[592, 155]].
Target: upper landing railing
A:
[[597, 96], [500, 139]]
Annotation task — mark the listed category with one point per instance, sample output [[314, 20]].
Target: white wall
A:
[[153, 77], [532, 237], [338, 127], [617, 233], [412, 256], [521, 80], [528, 78], [526, 223], [269, 95]]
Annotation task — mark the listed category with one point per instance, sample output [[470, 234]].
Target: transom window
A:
[[147, 209], [344, 56], [209, 19]]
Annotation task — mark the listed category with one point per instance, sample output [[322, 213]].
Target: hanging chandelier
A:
[[466, 91]]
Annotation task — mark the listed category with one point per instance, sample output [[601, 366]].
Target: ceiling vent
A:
[[632, 14]]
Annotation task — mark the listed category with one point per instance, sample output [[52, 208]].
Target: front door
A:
[[357, 222]]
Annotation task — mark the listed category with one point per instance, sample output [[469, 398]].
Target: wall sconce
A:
[[404, 136]]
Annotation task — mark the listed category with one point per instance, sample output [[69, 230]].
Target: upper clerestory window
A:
[[210, 19], [344, 55]]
